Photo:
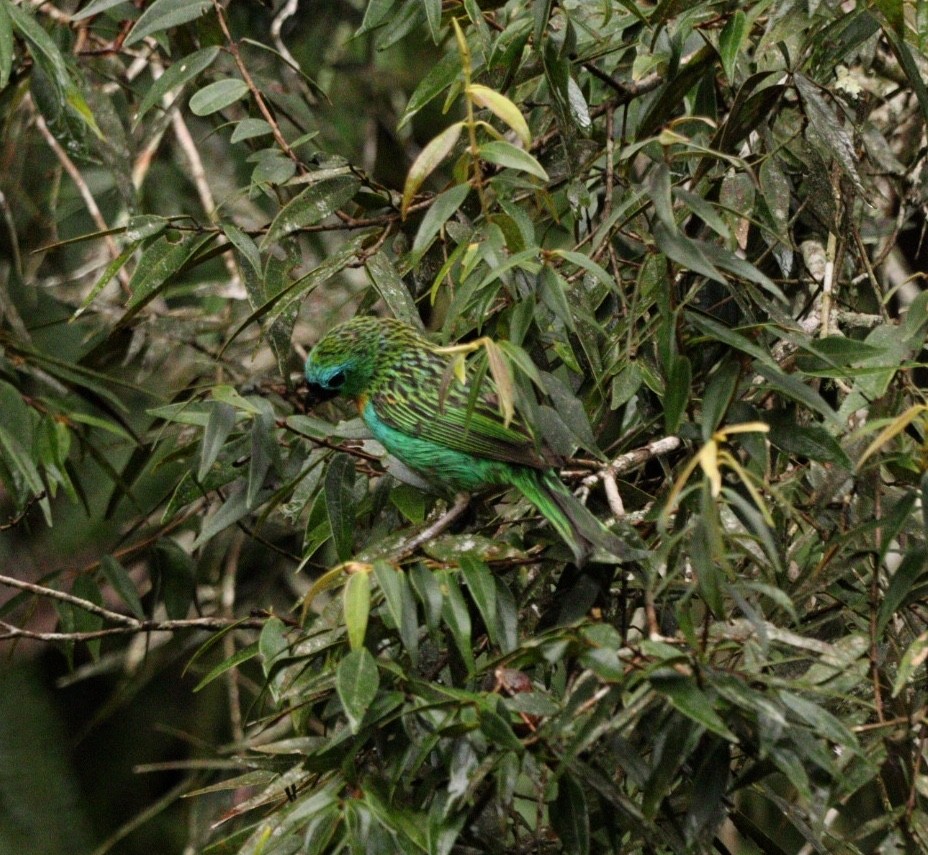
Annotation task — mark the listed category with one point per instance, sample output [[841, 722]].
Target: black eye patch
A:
[[337, 380]]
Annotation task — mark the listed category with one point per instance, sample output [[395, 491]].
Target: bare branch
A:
[[8, 631]]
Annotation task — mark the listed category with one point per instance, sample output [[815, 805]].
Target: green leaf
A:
[[357, 607], [250, 128], [245, 245], [46, 53], [433, 17], [720, 391], [236, 659], [163, 14], [386, 280], [439, 77], [826, 125], [144, 226], [172, 569], [160, 261], [505, 109], [17, 459], [84, 621], [910, 572], [498, 729], [442, 208], [6, 46], [400, 605], [431, 156], [482, 587], [328, 190], [910, 67], [95, 8], [457, 618], [339, 503], [264, 455], [570, 816], [812, 441], [357, 681], [106, 277], [913, 659], [234, 508], [730, 42], [714, 330], [217, 96], [687, 697], [122, 584], [686, 252], [375, 15], [506, 154], [677, 393], [220, 425], [181, 72]]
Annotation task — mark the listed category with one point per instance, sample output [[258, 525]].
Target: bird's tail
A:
[[576, 525]]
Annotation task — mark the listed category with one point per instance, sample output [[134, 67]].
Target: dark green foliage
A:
[[684, 242]]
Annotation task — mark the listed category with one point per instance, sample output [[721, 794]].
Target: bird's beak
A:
[[318, 394]]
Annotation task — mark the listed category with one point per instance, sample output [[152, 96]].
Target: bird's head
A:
[[344, 360]]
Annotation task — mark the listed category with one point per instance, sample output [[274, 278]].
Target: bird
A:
[[408, 397]]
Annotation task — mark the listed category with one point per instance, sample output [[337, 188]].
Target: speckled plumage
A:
[[424, 417]]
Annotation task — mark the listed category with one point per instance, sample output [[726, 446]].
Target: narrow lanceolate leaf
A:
[[826, 125], [220, 424], [339, 502], [181, 72], [505, 154], [503, 108], [106, 277], [428, 160], [689, 699], [441, 75], [6, 46], [911, 571], [160, 261], [163, 14], [49, 58], [456, 616], [398, 597], [570, 817], [730, 42], [443, 207], [482, 587], [912, 660], [357, 607], [433, 16], [328, 190], [120, 582], [677, 394], [245, 245], [217, 96], [395, 294], [502, 376], [357, 681], [95, 8]]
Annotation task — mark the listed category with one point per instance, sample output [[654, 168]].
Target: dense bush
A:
[[692, 234]]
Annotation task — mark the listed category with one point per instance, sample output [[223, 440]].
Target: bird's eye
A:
[[337, 380]]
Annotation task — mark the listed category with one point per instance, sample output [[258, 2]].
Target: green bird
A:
[[402, 386]]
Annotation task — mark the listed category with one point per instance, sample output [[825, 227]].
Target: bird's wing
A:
[[431, 408]]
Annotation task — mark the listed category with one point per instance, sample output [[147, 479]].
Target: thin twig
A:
[[80, 602], [633, 459], [255, 92], [461, 501], [212, 624]]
